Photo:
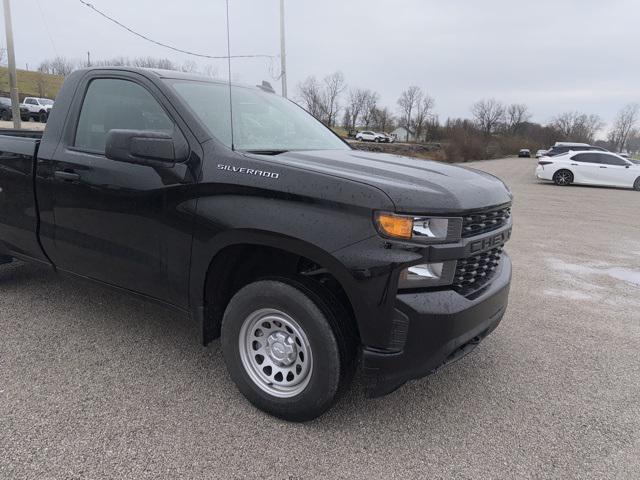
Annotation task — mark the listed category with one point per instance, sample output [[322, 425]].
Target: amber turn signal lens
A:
[[395, 226]]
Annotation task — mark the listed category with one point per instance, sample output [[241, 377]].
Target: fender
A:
[[366, 295]]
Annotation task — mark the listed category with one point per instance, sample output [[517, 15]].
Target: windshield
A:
[[262, 122], [46, 101], [633, 160]]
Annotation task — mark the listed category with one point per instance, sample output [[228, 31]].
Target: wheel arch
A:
[[223, 259]]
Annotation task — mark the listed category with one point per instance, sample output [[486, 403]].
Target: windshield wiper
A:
[[267, 152]]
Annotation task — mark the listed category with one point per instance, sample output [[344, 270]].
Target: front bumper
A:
[[437, 328]]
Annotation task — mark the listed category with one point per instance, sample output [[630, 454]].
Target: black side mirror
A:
[[146, 147]]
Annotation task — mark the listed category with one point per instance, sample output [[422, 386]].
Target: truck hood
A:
[[413, 185]]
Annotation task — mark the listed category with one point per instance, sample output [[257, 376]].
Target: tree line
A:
[[493, 129], [64, 66]]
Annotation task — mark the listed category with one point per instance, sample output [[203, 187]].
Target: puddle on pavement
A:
[[631, 276], [584, 282], [625, 274]]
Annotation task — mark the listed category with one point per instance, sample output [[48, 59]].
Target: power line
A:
[[175, 49], [46, 27]]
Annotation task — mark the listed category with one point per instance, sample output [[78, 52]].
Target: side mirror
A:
[[146, 147]]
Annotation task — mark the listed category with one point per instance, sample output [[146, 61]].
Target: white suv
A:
[[368, 136], [37, 108]]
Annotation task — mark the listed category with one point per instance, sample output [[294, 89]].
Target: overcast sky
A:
[[553, 55]]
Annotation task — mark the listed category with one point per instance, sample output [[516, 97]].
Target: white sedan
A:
[[589, 168], [368, 136]]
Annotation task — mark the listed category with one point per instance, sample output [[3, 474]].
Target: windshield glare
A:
[[261, 121]]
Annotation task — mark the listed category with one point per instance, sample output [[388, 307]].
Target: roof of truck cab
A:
[[165, 74]]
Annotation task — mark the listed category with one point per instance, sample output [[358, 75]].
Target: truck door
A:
[[124, 224]]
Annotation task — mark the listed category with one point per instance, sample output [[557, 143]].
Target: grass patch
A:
[[340, 131], [31, 84]]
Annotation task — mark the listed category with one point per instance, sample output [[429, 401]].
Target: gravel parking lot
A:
[[94, 384]]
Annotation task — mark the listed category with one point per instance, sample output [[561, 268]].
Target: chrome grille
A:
[[474, 272], [485, 220]]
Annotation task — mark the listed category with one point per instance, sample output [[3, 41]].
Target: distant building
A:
[[403, 134]]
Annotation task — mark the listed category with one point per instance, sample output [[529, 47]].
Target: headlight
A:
[[421, 229], [427, 275]]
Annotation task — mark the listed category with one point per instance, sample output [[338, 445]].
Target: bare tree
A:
[[370, 107], [189, 66], [423, 114], [211, 71], [624, 123], [357, 100], [310, 96], [45, 66], [334, 85], [578, 127], [408, 101], [383, 119], [516, 115], [152, 62], [58, 66], [633, 141], [488, 115]]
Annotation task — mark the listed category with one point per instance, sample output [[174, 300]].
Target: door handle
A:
[[603, 167], [574, 164], [67, 176]]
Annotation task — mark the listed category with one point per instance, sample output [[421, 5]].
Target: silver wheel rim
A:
[[563, 178], [275, 352]]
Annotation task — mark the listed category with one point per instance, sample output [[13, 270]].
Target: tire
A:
[[286, 348], [6, 116], [42, 117], [563, 178], [636, 185]]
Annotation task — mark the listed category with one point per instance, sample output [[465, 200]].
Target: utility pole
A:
[[88, 59], [13, 78], [283, 54]]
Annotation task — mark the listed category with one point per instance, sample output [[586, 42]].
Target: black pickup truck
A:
[[306, 257]]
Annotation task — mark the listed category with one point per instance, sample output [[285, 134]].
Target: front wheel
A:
[[42, 117], [6, 116], [636, 185], [285, 350], [563, 178]]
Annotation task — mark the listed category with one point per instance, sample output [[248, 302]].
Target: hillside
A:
[[31, 84]]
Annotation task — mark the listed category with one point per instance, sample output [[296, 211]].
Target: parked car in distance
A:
[[524, 153], [590, 168], [541, 153], [369, 136], [564, 147], [37, 108], [390, 138], [306, 257], [6, 113]]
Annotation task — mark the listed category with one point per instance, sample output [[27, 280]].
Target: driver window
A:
[[117, 104]]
